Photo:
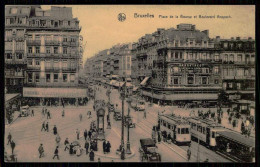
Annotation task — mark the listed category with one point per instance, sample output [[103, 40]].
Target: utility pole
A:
[[128, 150]]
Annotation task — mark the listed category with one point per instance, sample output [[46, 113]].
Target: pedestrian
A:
[[48, 115], [104, 146], [41, 150], [159, 137], [57, 139], [123, 153], [144, 114], [71, 149], [108, 146], [66, 143], [188, 153], [9, 137], [85, 134], [43, 126], [55, 130], [12, 146], [89, 134], [63, 113], [99, 160], [56, 153], [43, 111], [32, 113], [89, 114], [91, 155], [80, 117], [86, 146], [47, 127], [207, 160], [77, 132]]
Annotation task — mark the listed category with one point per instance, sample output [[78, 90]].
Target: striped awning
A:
[[143, 83]]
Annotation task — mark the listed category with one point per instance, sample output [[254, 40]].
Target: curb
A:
[[127, 156]]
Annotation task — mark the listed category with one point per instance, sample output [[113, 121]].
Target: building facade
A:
[[51, 50]]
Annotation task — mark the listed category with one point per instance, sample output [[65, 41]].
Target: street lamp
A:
[[198, 153], [128, 150]]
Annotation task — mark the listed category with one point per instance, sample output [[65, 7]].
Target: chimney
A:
[[249, 38], [217, 38], [206, 32], [238, 38]]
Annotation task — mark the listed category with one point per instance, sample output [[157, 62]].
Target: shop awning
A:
[[11, 96], [55, 92], [129, 84], [135, 88], [143, 83], [112, 82]]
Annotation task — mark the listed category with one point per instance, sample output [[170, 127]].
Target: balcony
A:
[[33, 68], [64, 69], [174, 60], [33, 42], [13, 74], [52, 42], [15, 61], [46, 26]]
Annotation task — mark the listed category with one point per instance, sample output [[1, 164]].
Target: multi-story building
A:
[[50, 42], [15, 46], [238, 67], [187, 66]]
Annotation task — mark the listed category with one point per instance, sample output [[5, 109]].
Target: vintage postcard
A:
[[129, 83]]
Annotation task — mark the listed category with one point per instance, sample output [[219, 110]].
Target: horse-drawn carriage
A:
[[111, 107], [117, 115], [76, 148], [148, 151]]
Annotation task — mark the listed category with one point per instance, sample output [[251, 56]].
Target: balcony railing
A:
[[29, 67], [52, 42], [33, 42], [15, 61], [69, 68]]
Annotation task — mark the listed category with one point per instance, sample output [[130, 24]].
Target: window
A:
[[64, 50], [37, 62], [48, 38], [225, 45], [176, 81], [13, 10], [29, 62], [128, 66], [55, 50], [72, 78], [204, 80], [246, 72], [216, 81], [9, 56], [169, 126], [182, 130], [73, 39], [30, 77], [179, 131], [240, 72], [65, 78], [12, 21], [176, 55], [231, 58], [60, 23], [37, 49], [175, 69], [65, 39], [19, 56], [48, 64], [69, 23], [29, 49], [239, 58], [55, 77], [48, 77], [226, 57], [48, 49], [230, 85], [213, 134], [56, 24], [204, 130], [216, 57], [190, 80], [37, 77], [37, 37], [216, 70], [64, 64], [29, 37], [238, 85], [252, 58]]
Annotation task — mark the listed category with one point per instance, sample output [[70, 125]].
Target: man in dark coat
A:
[[56, 153], [91, 155], [54, 130], [12, 146], [32, 113], [85, 134], [66, 143], [47, 127], [86, 146], [71, 148], [43, 126], [9, 137], [108, 146], [48, 115], [104, 146], [159, 137], [123, 153], [89, 134], [41, 151]]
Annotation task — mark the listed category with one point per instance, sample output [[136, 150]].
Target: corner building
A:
[[53, 55]]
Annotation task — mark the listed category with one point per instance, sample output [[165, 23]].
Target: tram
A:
[[176, 127], [235, 146], [204, 130]]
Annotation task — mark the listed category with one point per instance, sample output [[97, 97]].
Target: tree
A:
[[234, 123], [242, 127], [212, 114], [219, 120], [237, 115], [222, 99]]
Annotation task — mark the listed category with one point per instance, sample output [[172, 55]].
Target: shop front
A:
[[55, 96]]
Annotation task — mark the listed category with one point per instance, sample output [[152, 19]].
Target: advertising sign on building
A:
[[54, 92]]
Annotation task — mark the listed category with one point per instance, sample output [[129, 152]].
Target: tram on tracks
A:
[[204, 130], [237, 147], [228, 143], [175, 127]]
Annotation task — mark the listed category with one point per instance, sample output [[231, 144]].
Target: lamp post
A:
[[128, 150], [198, 153]]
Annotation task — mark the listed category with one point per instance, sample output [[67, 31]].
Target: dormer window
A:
[[13, 10]]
